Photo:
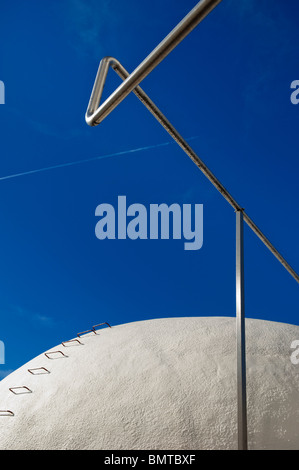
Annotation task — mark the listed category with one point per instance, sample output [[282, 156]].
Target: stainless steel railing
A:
[[96, 113], [92, 117]]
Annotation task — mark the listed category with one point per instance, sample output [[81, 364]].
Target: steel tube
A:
[[189, 22], [155, 111], [240, 326], [95, 114]]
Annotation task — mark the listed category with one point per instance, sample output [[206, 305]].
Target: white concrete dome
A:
[[157, 384]]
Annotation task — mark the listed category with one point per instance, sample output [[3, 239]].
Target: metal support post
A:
[[240, 313]]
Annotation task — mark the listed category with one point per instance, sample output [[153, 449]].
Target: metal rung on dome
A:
[[6, 413], [87, 331], [54, 352], [39, 368], [100, 324], [71, 341], [23, 387]]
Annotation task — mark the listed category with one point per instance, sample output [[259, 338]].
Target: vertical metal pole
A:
[[240, 323]]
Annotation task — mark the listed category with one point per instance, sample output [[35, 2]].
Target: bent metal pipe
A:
[[107, 62]]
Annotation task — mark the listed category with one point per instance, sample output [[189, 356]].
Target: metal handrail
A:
[[95, 114], [107, 62]]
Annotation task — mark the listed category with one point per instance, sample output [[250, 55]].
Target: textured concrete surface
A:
[[157, 384]]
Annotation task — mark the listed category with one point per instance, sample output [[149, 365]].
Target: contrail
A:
[[78, 162]]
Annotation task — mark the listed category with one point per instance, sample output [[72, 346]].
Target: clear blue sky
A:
[[227, 84]]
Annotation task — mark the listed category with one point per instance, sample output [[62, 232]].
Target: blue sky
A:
[[227, 85]]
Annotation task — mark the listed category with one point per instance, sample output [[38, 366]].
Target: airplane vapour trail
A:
[[78, 162]]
